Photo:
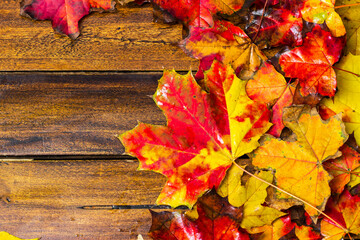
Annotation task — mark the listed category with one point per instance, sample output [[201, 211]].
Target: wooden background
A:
[[62, 104]]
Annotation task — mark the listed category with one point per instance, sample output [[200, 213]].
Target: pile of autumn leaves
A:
[[238, 104], [282, 118]]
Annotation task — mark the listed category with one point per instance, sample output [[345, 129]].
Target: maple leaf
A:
[[294, 6], [7, 236], [312, 62], [320, 11], [250, 197], [279, 228], [351, 20], [278, 27], [298, 164], [345, 212], [64, 15], [306, 232], [285, 100], [216, 220], [343, 169], [199, 13], [205, 64], [346, 100], [266, 85], [229, 43], [204, 135], [285, 228], [269, 87], [354, 178]]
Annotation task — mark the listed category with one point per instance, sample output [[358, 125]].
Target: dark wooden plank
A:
[[75, 224], [41, 199], [125, 40], [58, 184], [47, 114]]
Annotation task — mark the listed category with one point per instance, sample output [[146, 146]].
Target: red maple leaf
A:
[[199, 12], [312, 62], [343, 168], [64, 14], [217, 219], [277, 27], [345, 212], [293, 6], [205, 133]]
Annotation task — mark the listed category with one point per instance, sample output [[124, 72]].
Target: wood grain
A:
[[75, 224], [54, 114], [41, 199], [125, 40], [64, 113]]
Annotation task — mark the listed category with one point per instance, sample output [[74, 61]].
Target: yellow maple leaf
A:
[[347, 98], [298, 164], [351, 19], [251, 197]]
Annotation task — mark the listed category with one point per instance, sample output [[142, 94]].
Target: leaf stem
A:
[[347, 5], [297, 198], [261, 20], [358, 75]]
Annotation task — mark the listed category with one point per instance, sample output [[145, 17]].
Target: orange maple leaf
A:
[[269, 87]]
